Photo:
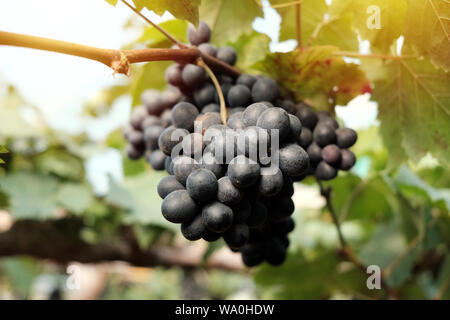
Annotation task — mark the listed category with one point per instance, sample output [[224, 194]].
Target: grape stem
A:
[[346, 251], [223, 107], [118, 60]]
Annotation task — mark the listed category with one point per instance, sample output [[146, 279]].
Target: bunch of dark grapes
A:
[[230, 180], [327, 144]]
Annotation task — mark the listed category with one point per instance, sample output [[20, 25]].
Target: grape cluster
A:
[[230, 180], [327, 144]]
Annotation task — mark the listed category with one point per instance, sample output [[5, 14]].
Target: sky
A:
[[59, 84]]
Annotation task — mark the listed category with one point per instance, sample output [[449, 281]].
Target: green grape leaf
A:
[[151, 75], [414, 109], [406, 179], [2, 150], [428, 30], [153, 38], [298, 278], [229, 19], [61, 163], [75, 197], [31, 196], [100, 104], [354, 198], [318, 27], [316, 75], [138, 195], [12, 123], [379, 21], [181, 9], [250, 48]]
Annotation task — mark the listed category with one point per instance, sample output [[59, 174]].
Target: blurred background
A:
[[61, 119]]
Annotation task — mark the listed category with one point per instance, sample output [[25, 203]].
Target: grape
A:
[[211, 107], [173, 75], [182, 168], [150, 121], [166, 118], [243, 172], [167, 185], [152, 101], [275, 119], [331, 154], [271, 181], [193, 76], [227, 193], [207, 48], [204, 121], [209, 162], [156, 159], [193, 230], [293, 160], [348, 160], [252, 254], [170, 137], [254, 143], [295, 128], [265, 89], [324, 135], [137, 117], [151, 136], [325, 172], [183, 115], [235, 121], [322, 115], [179, 207], [238, 96], [237, 236], [241, 211], [227, 55], [288, 189], [252, 112], [193, 145], [287, 105], [205, 95], [305, 138], [225, 87], [217, 217], [210, 236], [136, 138], [133, 153], [346, 137], [314, 153], [307, 116], [258, 215], [246, 80], [283, 227], [235, 110], [329, 122], [223, 144], [199, 35], [275, 252], [202, 185], [168, 165], [282, 208]]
